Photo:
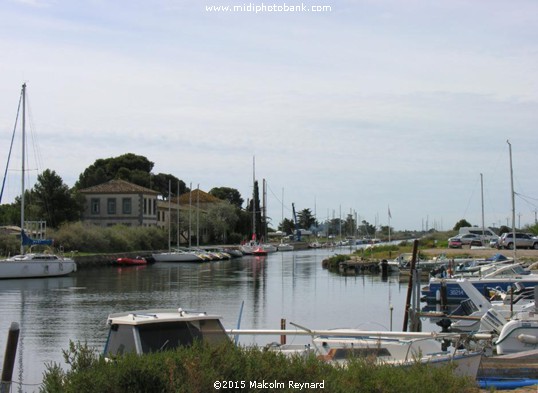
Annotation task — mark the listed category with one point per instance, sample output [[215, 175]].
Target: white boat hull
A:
[[177, 257], [36, 269]]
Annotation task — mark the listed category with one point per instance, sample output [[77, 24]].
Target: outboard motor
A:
[[492, 321]]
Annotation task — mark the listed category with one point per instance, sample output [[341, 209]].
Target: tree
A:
[[228, 194], [160, 183], [366, 229], [350, 225], [461, 223], [52, 200], [305, 219], [287, 226], [130, 167], [254, 206], [222, 218]]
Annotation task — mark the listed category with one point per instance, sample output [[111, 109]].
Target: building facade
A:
[[120, 202]]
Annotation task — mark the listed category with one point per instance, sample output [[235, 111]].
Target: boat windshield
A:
[[169, 335]]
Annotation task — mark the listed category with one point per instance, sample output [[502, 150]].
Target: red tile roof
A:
[[117, 186]]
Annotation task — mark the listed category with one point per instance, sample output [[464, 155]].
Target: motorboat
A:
[[337, 346], [259, 251], [397, 351], [497, 275], [518, 334], [126, 261], [466, 318], [155, 330]]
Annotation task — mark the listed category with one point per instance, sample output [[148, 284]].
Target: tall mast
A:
[[482, 198], [169, 214], [23, 159], [513, 200], [254, 197], [177, 201]]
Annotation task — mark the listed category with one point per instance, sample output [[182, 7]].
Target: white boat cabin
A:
[[148, 331]]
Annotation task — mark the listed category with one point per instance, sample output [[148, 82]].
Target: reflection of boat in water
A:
[[39, 284]]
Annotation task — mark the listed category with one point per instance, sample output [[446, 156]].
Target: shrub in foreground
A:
[[197, 368]]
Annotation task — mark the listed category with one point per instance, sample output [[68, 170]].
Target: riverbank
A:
[[525, 255]]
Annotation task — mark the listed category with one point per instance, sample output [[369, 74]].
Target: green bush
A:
[[195, 369]]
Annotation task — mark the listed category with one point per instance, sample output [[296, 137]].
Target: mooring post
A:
[[282, 327], [410, 286], [9, 357]]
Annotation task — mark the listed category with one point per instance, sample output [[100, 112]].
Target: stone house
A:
[[120, 202]]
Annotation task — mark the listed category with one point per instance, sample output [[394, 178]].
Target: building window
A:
[[126, 205], [95, 206], [111, 206], [154, 207], [145, 206]]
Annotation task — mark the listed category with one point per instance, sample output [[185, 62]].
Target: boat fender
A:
[[438, 295], [527, 339]]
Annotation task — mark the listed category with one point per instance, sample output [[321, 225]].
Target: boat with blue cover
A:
[[497, 276]]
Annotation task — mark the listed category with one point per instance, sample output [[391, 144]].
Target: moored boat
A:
[[33, 264], [126, 261], [154, 330], [179, 255], [498, 275]]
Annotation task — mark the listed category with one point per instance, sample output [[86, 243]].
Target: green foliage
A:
[[222, 218], [9, 244], [195, 369], [119, 238], [305, 219], [287, 226], [54, 200], [228, 194], [462, 223], [132, 168], [333, 262]]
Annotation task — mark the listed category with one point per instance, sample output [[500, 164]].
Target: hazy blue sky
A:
[[370, 104]]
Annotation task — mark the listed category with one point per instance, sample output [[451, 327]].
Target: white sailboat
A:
[[33, 264]]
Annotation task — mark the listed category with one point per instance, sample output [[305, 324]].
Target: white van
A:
[[487, 233]]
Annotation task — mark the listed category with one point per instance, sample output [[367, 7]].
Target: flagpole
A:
[[389, 222]]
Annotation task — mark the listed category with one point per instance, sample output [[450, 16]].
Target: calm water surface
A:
[[290, 285]]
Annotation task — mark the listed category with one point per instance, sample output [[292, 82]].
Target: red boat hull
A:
[[131, 261]]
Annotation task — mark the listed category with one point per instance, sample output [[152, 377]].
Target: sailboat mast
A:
[[23, 159], [254, 197], [513, 200], [482, 199]]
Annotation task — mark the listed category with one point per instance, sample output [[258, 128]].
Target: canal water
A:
[[290, 285]]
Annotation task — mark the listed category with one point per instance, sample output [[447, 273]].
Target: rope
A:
[[11, 147]]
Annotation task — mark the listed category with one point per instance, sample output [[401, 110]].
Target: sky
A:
[[362, 108]]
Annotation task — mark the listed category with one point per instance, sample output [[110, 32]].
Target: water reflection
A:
[[290, 285]]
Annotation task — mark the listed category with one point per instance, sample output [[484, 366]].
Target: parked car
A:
[[454, 242], [467, 239], [523, 240]]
